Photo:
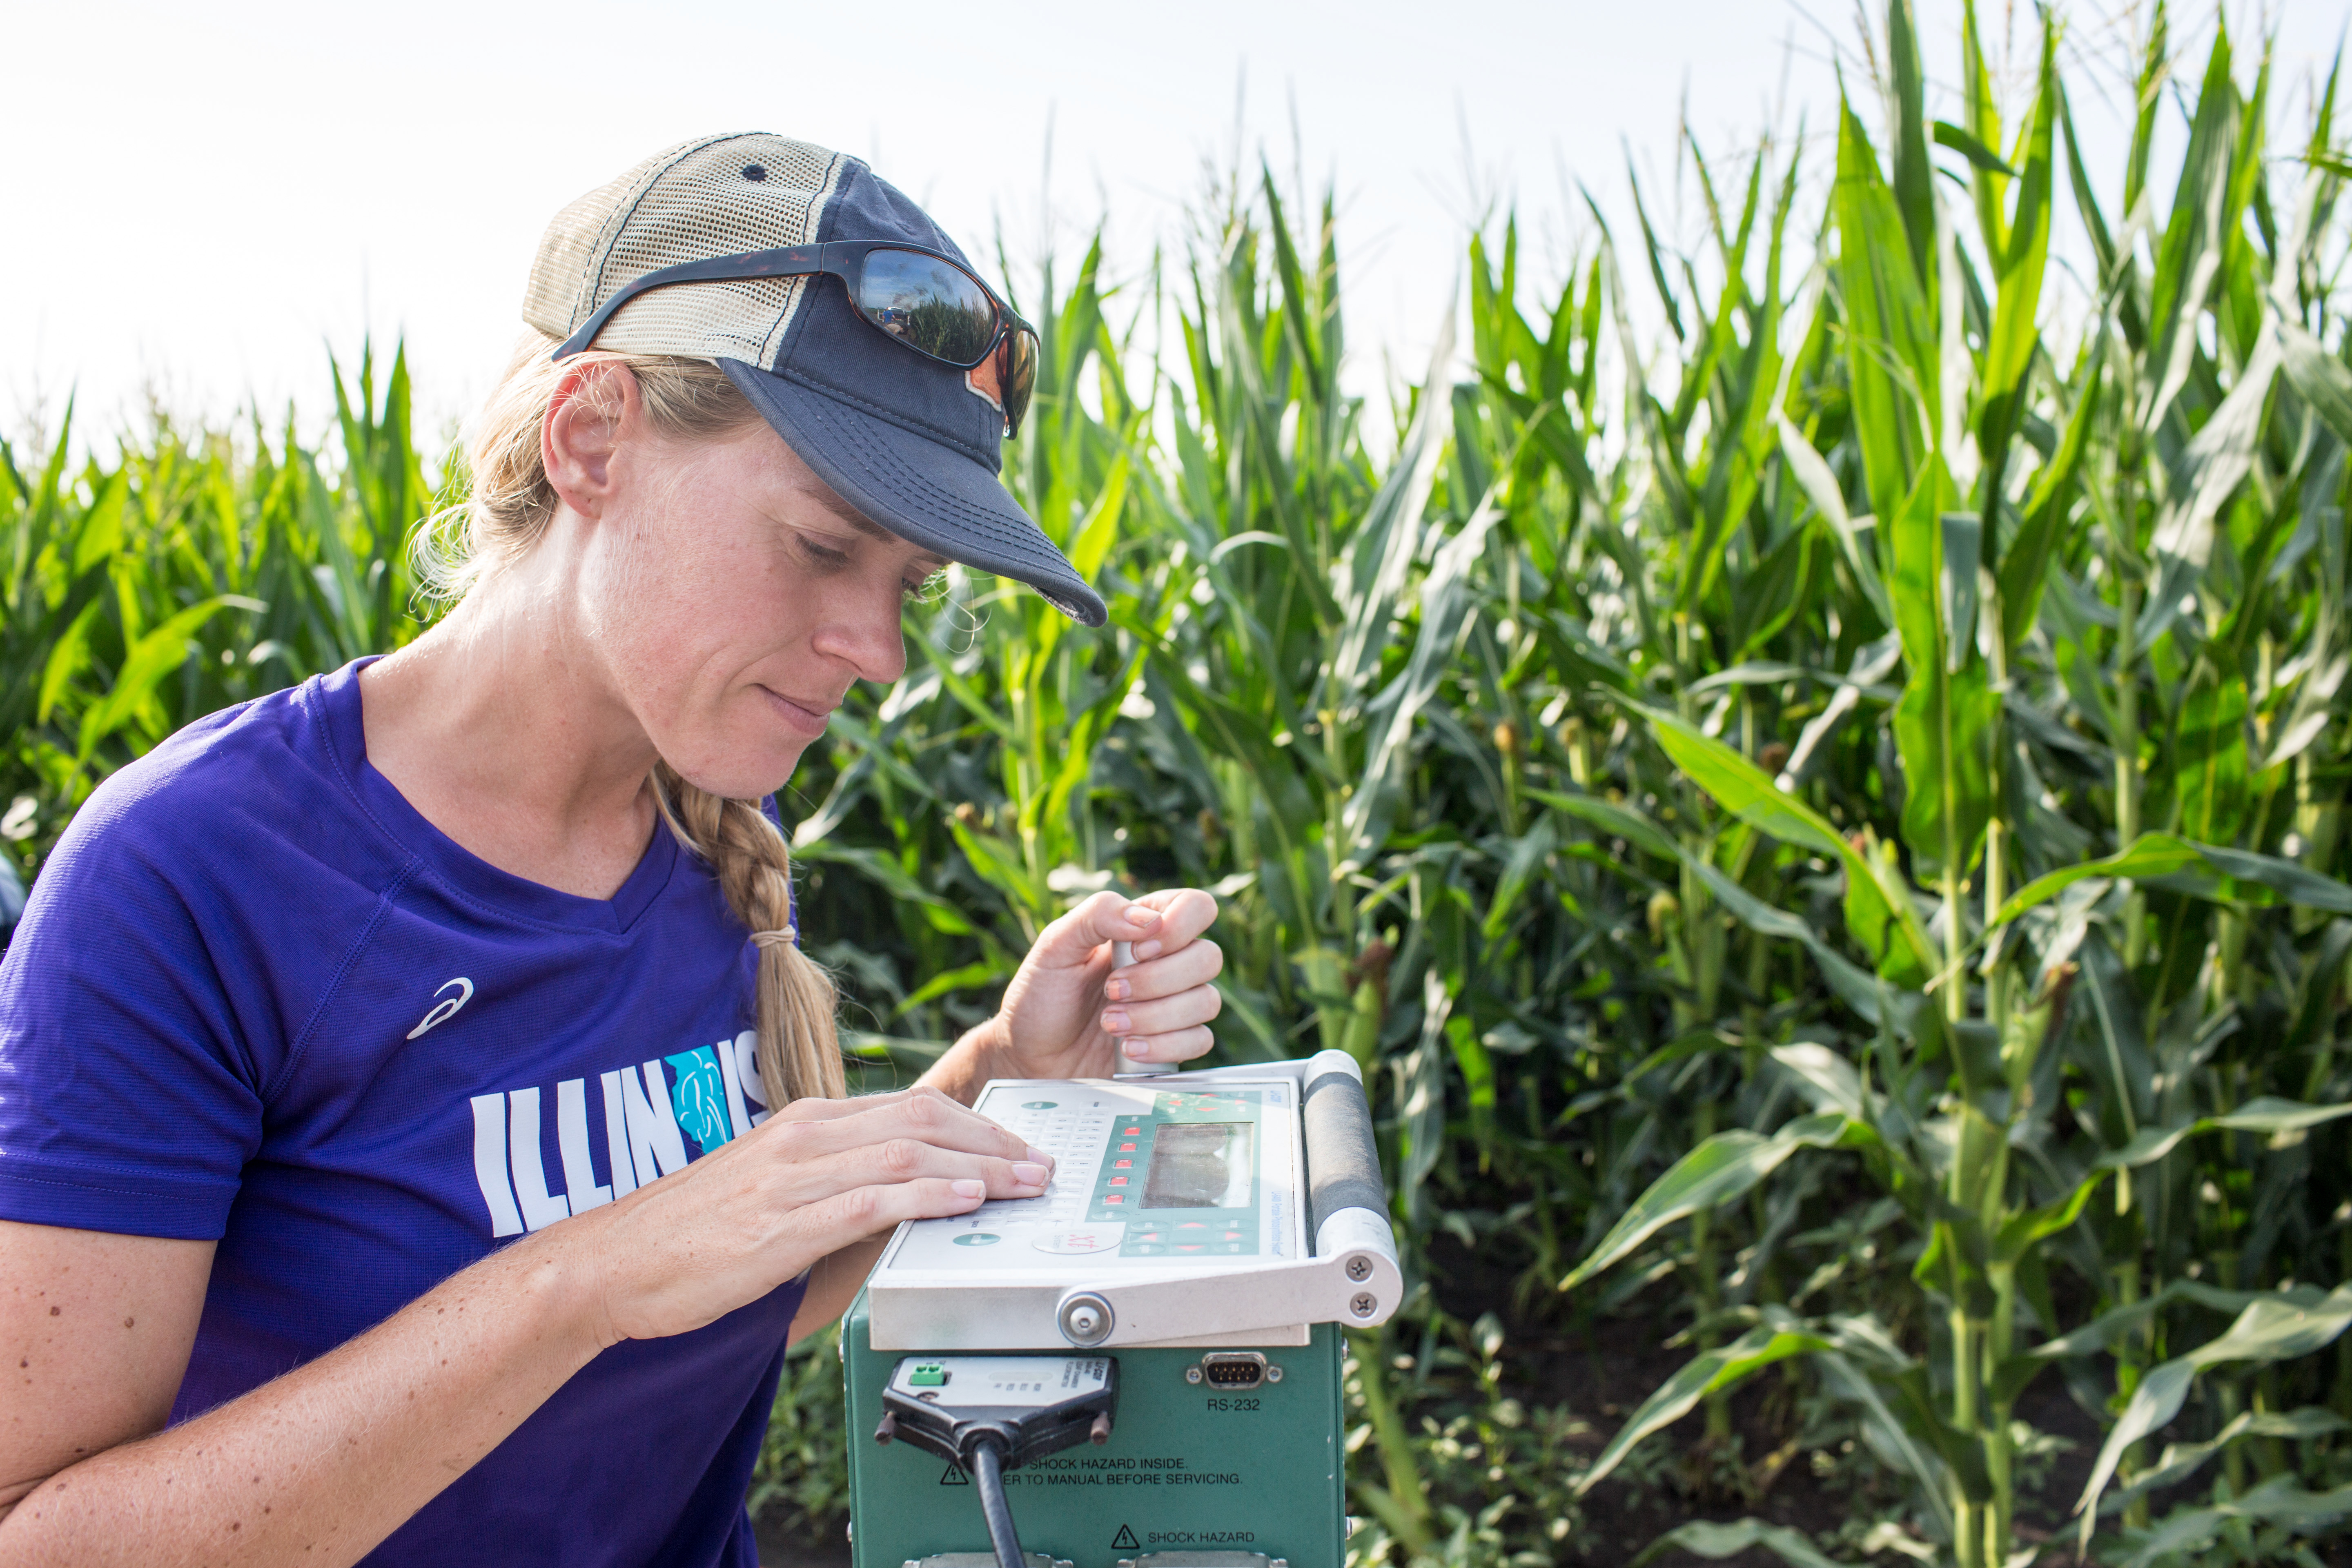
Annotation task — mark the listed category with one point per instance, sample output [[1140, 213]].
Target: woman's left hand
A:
[[1064, 1014]]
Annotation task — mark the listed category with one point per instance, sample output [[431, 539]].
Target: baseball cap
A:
[[913, 444]]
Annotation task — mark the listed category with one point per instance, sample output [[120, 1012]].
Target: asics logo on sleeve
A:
[[446, 1008]]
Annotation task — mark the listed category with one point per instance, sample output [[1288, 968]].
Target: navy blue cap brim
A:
[[925, 493]]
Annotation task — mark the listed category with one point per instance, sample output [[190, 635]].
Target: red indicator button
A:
[[1180, 1248], [1115, 1198], [1126, 1148], [1120, 1164], [1118, 1181], [1233, 1236], [1191, 1224], [1133, 1132]]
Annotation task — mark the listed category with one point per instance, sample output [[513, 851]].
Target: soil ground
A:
[[782, 1548]]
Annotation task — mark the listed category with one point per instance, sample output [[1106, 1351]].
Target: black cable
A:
[[987, 1475]]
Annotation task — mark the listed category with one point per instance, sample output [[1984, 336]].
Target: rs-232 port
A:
[[1233, 1369]]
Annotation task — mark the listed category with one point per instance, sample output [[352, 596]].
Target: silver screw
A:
[[1363, 1303], [1274, 1374], [1359, 1268], [1192, 1375], [1086, 1318]]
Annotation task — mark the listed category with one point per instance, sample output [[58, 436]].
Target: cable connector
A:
[[1030, 1404], [995, 1413]]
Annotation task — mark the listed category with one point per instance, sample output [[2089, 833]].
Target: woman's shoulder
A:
[[226, 796], [185, 924]]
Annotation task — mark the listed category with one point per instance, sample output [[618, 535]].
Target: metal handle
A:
[[1122, 954]]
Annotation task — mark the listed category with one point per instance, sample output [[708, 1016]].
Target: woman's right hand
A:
[[817, 1176]]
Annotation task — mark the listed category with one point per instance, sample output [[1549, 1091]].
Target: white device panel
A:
[[1178, 1205], [1081, 1226]]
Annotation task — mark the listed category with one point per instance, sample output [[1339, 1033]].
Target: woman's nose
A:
[[866, 633]]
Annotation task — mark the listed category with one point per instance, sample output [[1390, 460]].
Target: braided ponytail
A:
[[509, 508], [799, 1051]]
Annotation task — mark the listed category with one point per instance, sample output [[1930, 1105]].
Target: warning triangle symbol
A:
[[953, 1475], [1124, 1540]]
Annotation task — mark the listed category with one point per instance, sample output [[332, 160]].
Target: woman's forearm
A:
[[833, 1284], [320, 1465], [965, 1068]]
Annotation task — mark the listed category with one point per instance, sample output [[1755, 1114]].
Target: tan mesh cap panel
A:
[[684, 203]]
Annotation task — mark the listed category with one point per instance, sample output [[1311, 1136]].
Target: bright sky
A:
[[205, 199]]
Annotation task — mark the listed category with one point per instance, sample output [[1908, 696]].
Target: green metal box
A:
[[1188, 1468]]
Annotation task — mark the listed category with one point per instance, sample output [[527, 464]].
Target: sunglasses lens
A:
[[930, 305], [1018, 375]]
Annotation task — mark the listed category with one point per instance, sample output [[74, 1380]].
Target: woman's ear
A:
[[592, 406]]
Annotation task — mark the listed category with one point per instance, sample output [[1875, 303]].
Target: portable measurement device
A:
[[1141, 1367]]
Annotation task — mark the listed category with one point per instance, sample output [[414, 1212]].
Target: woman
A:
[[411, 1087]]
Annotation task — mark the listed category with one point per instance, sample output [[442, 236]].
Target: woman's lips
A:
[[805, 717]]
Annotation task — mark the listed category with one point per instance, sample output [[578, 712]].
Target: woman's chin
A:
[[747, 771]]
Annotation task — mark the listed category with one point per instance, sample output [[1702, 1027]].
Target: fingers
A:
[[817, 1109], [1162, 1008], [920, 1115], [1196, 963], [1178, 1046], [869, 1211], [1184, 913], [900, 1160], [1159, 1016], [1155, 923], [1079, 938]]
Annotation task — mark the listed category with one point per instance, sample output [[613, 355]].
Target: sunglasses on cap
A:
[[928, 302]]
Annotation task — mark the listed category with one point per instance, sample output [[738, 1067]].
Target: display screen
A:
[[1200, 1165]]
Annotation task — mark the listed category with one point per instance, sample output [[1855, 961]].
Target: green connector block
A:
[[1189, 1467], [929, 1376]]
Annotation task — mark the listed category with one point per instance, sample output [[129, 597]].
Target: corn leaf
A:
[[1880, 919], [1718, 1171], [1702, 1539], [2271, 1329], [1702, 1374]]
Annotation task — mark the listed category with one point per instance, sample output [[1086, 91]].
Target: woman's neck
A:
[[502, 728]]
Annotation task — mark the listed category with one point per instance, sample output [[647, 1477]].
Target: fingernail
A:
[[1135, 1050], [1115, 990], [1143, 914], [1144, 950], [1029, 1175], [970, 1189], [1039, 1156], [1116, 1022]]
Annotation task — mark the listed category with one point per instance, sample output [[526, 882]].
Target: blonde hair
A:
[[509, 506]]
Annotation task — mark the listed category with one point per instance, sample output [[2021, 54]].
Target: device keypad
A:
[[1075, 1132]]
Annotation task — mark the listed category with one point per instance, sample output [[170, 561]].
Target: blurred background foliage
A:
[[1822, 821]]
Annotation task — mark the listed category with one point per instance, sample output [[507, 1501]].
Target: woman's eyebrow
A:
[[859, 523], [880, 535]]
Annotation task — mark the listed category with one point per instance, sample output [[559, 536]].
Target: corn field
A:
[[1822, 817]]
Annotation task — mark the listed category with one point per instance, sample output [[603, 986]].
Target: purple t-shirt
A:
[[257, 997]]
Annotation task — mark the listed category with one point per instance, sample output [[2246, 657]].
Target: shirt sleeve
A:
[[129, 1101]]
